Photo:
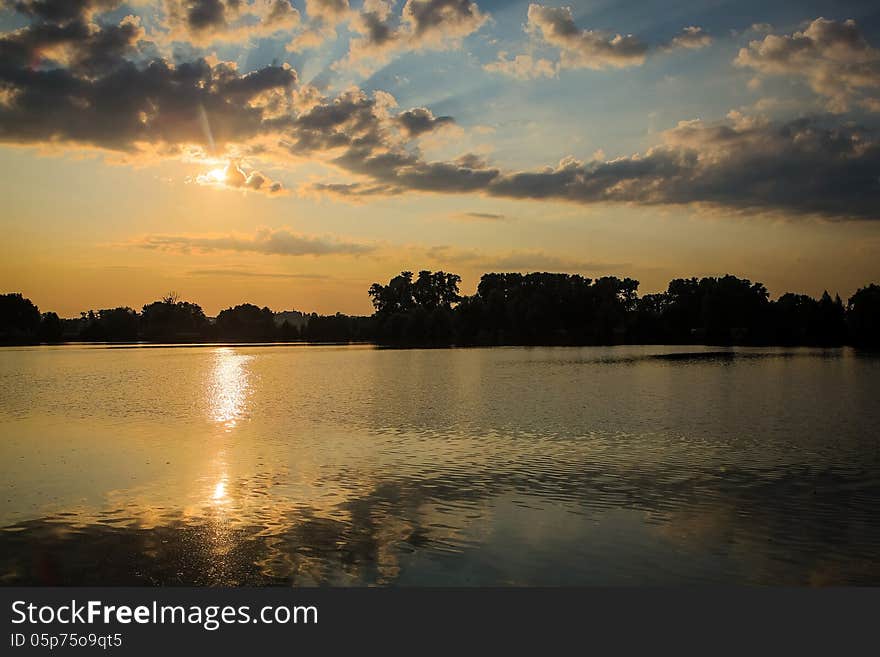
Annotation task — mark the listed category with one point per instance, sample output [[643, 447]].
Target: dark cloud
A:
[[60, 11], [807, 166], [266, 241], [207, 21], [70, 40], [832, 57], [158, 104], [442, 19], [205, 14], [74, 83], [352, 191], [90, 89], [592, 48], [421, 25], [420, 120], [480, 216], [376, 31], [584, 48]]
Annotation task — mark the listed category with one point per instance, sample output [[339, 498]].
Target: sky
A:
[[289, 153]]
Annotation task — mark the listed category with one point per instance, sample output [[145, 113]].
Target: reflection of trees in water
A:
[[791, 527]]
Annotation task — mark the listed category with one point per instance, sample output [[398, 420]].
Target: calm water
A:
[[352, 465]]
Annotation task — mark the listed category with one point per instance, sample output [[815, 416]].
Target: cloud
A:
[[479, 216], [323, 17], [246, 273], [202, 22], [578, 48], [584, 48], [352, 192], [265, 241], [832, 57], [523, 67], [233, 176], [436, 23], [805, 166], [330, 12], [61, 11], [419, 120], [691, 38], [802, 167], [81, 82], [422, 25], [66, 80], [68, 38], [515, 260]]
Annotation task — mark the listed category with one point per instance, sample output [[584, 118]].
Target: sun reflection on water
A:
[[230, 387], [220, 495]]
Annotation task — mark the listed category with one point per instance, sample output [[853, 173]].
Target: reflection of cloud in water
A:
[[463, 467], [451, 529]]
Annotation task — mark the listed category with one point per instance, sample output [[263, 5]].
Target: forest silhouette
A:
[[507, 309]]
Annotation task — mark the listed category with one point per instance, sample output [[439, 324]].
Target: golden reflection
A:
[[230, 387], [220, 495]]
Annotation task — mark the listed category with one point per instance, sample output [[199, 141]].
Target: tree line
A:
[[506, 309]]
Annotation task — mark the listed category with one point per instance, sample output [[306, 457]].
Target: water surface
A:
[[298, 465]]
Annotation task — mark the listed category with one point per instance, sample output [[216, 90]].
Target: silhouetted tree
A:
[[435, 290], [338, 328], [507, 308], [246, 322], [651, 317], [724, 310], [545, 308], [173, 320], [19, 319], [51, 329], [110, 325], [831, 328], [288, 332], [396, 297], [417, 312], [863, 316]]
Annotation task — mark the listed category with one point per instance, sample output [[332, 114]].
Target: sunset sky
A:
[[290, 152]]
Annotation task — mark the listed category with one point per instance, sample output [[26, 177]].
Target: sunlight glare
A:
[[229, 388], [217, 175], [220, 491]]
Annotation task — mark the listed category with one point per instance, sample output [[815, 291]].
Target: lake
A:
[[353, 465]]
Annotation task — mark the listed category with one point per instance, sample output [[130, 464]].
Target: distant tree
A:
[[110, 325], [246, 322], [648, 321], [173, 320], [396, 297], [436, 290], [19, 319], [288, 332], [831, 321], [546, 308], [51, 328], [417, 312], [794, 319], [863, 317], [338, 328], [716, 310]]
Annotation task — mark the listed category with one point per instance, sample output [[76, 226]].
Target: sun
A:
[[216, 175]]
